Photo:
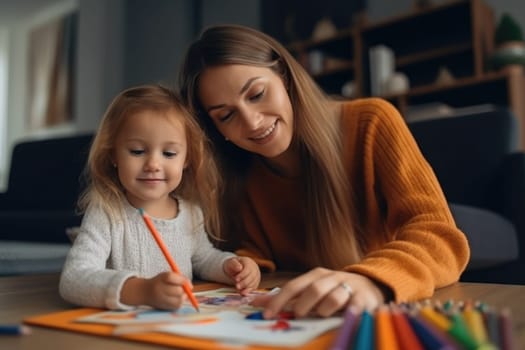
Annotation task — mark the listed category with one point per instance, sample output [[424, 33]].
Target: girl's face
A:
[[249, 106], [150, 156]]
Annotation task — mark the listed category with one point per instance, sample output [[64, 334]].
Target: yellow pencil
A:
[[437, 319], [476, 325]]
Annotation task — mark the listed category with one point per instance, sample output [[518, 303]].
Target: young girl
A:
[[335, 189], [148, 153]]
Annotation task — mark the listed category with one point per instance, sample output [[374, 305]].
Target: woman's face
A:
[[249, 106]]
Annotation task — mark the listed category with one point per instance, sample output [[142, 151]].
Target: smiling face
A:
[[250, 107], [150, 156]]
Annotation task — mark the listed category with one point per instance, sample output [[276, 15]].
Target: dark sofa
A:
[[481, 168], [43, 187]]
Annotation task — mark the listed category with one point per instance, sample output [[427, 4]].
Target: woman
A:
[[335, 188]]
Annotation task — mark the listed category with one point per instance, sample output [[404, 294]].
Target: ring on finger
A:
[[346, 287]]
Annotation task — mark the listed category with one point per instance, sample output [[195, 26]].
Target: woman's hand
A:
[[323, 292], [163, 291], [244, 272]]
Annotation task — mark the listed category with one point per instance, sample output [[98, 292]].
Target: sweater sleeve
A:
[[424, 249], [207, 261], [85, 280]]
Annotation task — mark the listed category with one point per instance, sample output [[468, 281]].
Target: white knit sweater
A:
[[106, 253]]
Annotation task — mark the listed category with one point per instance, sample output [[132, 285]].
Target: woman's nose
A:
[[251, 118]]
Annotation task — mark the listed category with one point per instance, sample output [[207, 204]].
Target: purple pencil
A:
[[344, 335]]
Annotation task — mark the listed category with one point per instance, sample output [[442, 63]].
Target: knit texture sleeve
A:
[[85, 280], [207, 261], [423, 249]]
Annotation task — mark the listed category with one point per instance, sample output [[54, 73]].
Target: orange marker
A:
[[168, 257]]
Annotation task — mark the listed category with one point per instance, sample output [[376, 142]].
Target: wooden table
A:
[[25, 296]]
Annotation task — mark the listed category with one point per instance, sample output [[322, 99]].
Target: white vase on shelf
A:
[[397, 83]]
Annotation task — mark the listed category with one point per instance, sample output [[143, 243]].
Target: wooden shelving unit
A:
[[456, 35], [342, 48]]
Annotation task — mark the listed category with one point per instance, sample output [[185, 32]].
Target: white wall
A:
[[244, 12], [156, 35], [18, 38], [4, 69], [99, 69], [99, 59]]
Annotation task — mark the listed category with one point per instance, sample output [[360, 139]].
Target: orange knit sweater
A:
[[414, 244]]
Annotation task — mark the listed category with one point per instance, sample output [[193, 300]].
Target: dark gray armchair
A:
[[39, 204], [479, 164]]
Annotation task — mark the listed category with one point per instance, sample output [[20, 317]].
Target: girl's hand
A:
[[164, 291], [323, 292], [244, 272]]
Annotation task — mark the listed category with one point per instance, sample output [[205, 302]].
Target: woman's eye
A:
[[136, 152], [225, 117], [257, 96], [169, 154]]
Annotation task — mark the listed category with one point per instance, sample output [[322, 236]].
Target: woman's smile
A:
[[249, 106], [265, 136]]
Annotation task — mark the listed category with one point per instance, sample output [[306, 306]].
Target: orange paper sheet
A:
[[65, 320]]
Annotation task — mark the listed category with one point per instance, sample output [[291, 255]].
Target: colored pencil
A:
[[505, 323], [406, 337], [476, 325], [492, 323], [344, 334], [14, 329], [384, 330], [428, 336], [365, 335], [454, 326], [460, 332], [434, 317], [169, 258]]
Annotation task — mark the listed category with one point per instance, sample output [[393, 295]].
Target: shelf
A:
[[444, 36], [505, 88], [456, 35], [337, 45], [418, 31], [458, 84], [342, 68], [340, 63], [438, 53]]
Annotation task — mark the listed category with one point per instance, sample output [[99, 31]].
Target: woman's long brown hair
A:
[[331, 220]]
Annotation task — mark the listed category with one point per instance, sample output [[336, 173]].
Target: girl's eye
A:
[[169, 154], [136, 152]]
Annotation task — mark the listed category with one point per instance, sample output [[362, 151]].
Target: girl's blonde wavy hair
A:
[[200, 181]]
